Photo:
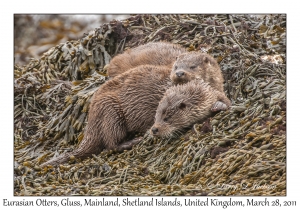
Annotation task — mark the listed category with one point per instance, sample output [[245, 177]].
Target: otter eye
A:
[[165, 119], [175, 67], [192, 67], [182, 105], [206, 60]]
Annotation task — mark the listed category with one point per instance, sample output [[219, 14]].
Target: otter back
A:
[[152, 53], [184, 105]]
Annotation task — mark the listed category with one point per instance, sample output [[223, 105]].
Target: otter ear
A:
[[182, 105]]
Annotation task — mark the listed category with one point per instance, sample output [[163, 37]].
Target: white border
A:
[[153, 6]]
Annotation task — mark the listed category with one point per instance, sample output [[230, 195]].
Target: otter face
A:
[[169, 120], [181, 75], [174, 114], [190, 66]]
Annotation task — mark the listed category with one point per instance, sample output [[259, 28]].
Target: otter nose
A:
[[154, 130], [179, 73]]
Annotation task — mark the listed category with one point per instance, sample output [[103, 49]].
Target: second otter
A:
[[183, 66]]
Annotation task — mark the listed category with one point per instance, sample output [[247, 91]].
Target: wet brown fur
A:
[[121, 106], [172, 56], [152, 53], [127, 103], [184, 105], [197, 65]]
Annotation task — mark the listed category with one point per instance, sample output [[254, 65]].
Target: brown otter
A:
[[192, 65], [152, 53], [184, 105], [121, 106], [124, 105], [183, 66]]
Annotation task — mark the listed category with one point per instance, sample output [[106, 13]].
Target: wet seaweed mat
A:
[[241, 151]]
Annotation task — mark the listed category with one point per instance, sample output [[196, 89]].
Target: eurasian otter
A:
[[152, 53], [124, 105], [184, 105], [193, 65], [183, 66]]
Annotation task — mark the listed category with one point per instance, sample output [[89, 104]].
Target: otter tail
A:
[[58, 160], [85, 149]]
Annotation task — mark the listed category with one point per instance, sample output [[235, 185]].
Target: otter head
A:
[[179, 109], [190, 66]]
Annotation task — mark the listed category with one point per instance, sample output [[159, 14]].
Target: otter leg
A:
[[128, 144], [106, 127], [222, 104], [114, 126]]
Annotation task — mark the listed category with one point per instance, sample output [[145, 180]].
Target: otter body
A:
[[196, 65], [152, 53], [121, 106], [184, 105]]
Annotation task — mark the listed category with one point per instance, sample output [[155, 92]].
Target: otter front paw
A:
[[218, 106]]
